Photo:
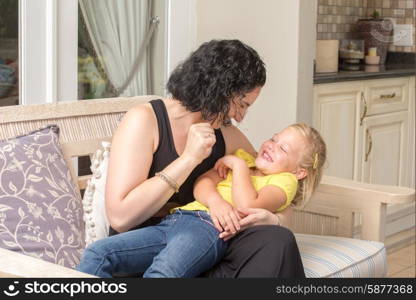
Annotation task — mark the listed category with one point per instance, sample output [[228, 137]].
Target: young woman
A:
[[162, 147]]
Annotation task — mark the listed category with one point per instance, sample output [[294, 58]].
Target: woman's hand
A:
[[224, 215], [226, 163], [257, 216], [252, 217], [199, 143]]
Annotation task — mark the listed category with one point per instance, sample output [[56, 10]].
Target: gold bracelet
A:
[[172, 183]]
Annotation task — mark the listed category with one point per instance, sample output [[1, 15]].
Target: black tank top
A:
[[166, 153]]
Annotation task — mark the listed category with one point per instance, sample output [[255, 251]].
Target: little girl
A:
[[187, 242]]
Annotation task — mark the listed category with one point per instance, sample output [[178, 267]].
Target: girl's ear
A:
[[301, 173]]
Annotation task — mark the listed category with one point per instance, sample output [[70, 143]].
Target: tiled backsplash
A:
[[337, 18]]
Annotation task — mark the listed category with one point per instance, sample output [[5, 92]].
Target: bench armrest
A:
[[13, 264], [367, 192], [341, 198]]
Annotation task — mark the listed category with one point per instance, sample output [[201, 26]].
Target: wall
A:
[[180, 31], [400, 12], [272, 28], [336, 18], [307, 46]]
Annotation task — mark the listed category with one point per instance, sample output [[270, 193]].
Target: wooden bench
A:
[[84, 124]]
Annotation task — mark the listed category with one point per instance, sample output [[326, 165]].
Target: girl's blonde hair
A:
[[312, 159]]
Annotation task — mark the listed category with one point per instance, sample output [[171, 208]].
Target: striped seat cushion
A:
[[330, 256]]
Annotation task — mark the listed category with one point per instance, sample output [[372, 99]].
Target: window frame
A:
[[48, 46]]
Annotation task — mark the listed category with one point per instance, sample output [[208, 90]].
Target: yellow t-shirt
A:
[[286, 181]]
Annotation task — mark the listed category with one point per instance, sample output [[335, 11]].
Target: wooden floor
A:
[[401, 262]]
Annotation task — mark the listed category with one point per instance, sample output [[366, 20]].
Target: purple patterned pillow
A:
[[40, 206]]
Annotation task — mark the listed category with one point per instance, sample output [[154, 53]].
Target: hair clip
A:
[[315, 161]]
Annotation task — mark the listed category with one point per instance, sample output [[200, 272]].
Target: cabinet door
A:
[[384, 144], [336, 116]]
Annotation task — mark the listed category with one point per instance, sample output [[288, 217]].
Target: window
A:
[[121, 51], [9, 52], [92, 79], [120, 46]]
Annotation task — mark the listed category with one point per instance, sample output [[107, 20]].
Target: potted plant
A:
[[376, 32]]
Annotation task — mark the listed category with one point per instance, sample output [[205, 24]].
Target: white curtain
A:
[[118, 29]]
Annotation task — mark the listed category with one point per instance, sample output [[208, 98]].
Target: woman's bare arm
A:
[[235, 139], [259, 216], [283, 217], [131, 197]]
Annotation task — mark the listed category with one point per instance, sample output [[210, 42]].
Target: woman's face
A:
[[281, 153], [239, 107]]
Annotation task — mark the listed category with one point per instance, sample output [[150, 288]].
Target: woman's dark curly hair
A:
[[213, 75]]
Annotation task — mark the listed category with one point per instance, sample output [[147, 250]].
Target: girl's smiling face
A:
[[282, 153]]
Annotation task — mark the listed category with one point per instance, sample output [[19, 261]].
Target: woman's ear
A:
[[301, 173]]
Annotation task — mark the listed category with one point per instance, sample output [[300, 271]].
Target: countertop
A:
[[366, 72]]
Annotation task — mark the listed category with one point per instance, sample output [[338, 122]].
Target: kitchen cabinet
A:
[[369, 129]]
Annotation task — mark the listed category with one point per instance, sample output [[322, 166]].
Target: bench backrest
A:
[[82, 126]]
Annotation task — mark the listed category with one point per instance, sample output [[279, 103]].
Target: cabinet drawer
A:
[[386, 95]]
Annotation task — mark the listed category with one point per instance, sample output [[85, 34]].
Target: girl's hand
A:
[[251, 217], [224, 215], [226, 163]]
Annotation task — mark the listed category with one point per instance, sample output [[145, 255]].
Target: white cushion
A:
[[330, 256], [96, 222]]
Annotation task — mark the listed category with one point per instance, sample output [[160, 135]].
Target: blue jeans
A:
[[183, 244]]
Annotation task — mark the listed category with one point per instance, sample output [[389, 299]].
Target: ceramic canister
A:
[[327, 56]]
